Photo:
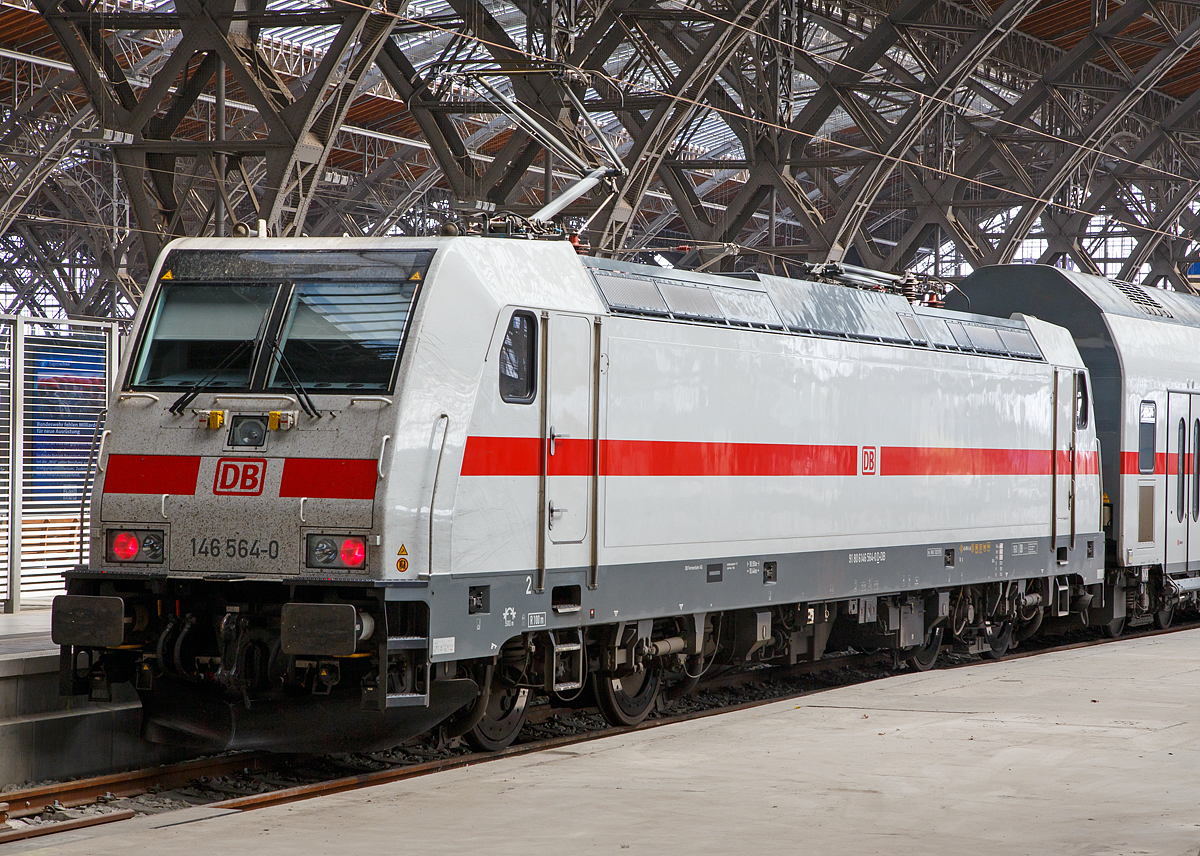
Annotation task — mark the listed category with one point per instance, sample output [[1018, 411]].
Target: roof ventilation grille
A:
[[1139, 297]]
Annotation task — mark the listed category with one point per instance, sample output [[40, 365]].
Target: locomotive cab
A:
[[237, 536]]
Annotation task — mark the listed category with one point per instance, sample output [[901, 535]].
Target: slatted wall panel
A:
[[6, 401], [66, 370]]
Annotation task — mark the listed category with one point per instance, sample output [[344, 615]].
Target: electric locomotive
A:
[[352, 490]]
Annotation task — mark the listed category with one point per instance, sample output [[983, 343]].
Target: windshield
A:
[[343, 335], [202, 330], [334, 321]]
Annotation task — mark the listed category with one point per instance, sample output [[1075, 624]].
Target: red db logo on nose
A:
[[240, 476]]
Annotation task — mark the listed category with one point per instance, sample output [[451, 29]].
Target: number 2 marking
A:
[[529, 585]]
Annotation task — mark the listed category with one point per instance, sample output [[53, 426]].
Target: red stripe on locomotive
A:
[[502, 456], [329, 478], [173, 474], [519, 456], [665, 458], [914, 461]]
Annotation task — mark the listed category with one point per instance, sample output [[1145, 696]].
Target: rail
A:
[[32, 801]]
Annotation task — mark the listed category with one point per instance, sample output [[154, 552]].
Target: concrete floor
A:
[[26, 631], [1092, 751]]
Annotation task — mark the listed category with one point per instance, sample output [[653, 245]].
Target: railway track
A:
[[104, 795]]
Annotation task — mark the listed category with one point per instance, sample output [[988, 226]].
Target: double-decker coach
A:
[[1142, 349]]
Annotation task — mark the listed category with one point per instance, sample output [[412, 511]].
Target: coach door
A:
[[1062, 462], [1181, 414], [1193, 483], [569, 458]]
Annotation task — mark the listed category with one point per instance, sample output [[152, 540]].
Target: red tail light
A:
[[354, 551], [331, 552], [144, 546], [125, 546]]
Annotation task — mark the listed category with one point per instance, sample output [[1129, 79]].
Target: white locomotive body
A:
[[349, 489]]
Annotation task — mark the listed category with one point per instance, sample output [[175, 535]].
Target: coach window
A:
[[517, 362], [1081, 401], [1146, 419]]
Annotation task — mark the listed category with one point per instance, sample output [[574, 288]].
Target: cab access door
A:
[[1062, 461], [569, 451]]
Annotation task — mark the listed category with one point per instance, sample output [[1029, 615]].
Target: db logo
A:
[[240, 476], [868, 466]]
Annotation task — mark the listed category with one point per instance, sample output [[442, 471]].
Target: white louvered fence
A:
[[54, 378]]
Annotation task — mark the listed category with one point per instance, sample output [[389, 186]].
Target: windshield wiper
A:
[[190, 396], [293, 381]]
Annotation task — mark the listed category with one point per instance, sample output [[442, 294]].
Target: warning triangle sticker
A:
[[415, 276], [403, 552], [167, 275]]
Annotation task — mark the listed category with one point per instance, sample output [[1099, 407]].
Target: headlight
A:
[[324, 551], [336, 551], [145, 546], [152, 547], [247, 431]]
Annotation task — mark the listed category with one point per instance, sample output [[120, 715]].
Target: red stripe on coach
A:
[[915, 461], [1129, 464], [329, 478], [173, 474]]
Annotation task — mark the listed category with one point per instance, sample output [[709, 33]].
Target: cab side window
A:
[[1081, 401], [1147, 417], [518, 364]]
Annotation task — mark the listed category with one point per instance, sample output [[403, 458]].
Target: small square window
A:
[[1147, 420], [518, 365]]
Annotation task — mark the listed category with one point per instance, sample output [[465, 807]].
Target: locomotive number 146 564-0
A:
[[235, 548]]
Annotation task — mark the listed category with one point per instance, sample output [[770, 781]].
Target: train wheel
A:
[[960, 616], [999, 637], [923, 658], [1164, 617], [1114, 628], [627, 700], [502, 721]]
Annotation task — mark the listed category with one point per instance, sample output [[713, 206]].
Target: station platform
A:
[[46, 736], [26, 633], [1088, 751]]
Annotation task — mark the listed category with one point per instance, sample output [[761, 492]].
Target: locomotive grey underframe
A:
[[677, 588]]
